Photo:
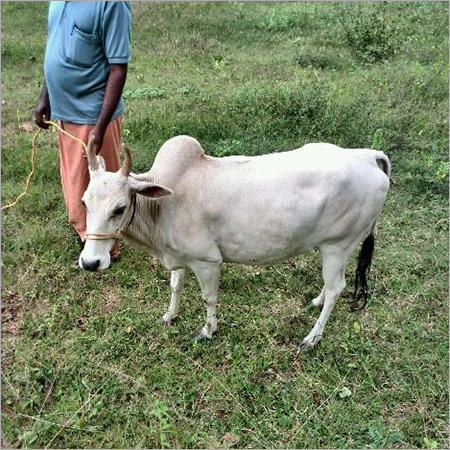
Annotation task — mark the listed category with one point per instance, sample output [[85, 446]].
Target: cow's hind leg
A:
[[333, 268], [208, 276], [176, 284]]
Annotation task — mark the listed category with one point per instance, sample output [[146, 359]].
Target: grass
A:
[[83, 363]]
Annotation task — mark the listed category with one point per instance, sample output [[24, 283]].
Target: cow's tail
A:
[[381, 157], [361, 292]]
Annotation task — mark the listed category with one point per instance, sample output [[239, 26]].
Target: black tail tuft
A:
[[361, 292]]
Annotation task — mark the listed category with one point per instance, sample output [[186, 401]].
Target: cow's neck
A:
[[142, 232]]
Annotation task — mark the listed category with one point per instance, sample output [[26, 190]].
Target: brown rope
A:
[[33, 153], [101, 236]]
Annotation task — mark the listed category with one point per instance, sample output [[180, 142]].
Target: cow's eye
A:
[[118, 211], [83, 203]]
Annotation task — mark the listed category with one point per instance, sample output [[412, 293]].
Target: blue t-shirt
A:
[[83, 39]]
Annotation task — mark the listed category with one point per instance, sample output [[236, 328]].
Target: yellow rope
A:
[[68, 134], [27, 183]]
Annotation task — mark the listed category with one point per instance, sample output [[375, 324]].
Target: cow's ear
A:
[[148, 189]]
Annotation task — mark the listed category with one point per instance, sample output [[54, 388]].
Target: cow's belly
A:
[[264, 254], [257, 237], [256, 233]]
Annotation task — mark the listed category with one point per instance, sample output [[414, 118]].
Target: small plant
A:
[[227, 147], [279, 21], [319, 59], [378, 141], [147, 92], [185, 90], [442, 171], [159, 410], [219, 62], [429, 443], [380, 437], [371, 36]]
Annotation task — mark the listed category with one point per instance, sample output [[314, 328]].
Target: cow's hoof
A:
[[310, 306], [201, 337], [309, 343], [165, 322], [304, 348]]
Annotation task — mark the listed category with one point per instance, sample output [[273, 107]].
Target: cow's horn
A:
[[91, 156], [126, 167]]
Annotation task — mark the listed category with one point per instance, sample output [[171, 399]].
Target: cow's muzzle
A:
[[90, 265]]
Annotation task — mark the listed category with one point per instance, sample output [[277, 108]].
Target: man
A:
[[85, 68]]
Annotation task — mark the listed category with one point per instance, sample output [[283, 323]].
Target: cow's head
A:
[[110, 201]]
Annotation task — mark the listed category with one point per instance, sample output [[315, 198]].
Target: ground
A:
[[83, 363]]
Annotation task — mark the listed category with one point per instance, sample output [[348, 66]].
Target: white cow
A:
[[195, 212]]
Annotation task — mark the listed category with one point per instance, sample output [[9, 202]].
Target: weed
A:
[[185, 90], [429, 443], [279, 20], [442, 171], [378, 140], [227, 148], [321, 58], [219, 62], [147, 92], [371, 35], [159, 410], [381, 438]]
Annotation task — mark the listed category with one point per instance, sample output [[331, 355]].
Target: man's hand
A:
[[114, 88], [42, 112]]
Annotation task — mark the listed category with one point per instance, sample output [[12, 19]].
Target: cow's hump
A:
[[177, 155]]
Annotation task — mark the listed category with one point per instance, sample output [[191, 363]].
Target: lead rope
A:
[[33, 153], [94, 236]]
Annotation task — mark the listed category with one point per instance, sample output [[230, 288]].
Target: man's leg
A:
[[74, 173], [74, 168]]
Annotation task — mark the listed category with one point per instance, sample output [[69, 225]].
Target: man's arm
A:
[[113, 92], [42, 111]]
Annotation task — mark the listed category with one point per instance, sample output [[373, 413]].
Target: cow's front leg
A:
[[208, 276], [176, 284], [320, 299]]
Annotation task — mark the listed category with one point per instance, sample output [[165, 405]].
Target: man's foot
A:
[[115, 252]]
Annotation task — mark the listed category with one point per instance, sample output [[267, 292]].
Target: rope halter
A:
[[99, 236]]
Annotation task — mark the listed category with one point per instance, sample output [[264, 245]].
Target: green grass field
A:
[[83, 363]]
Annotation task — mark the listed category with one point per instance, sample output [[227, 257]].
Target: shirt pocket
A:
[[80, 49]]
